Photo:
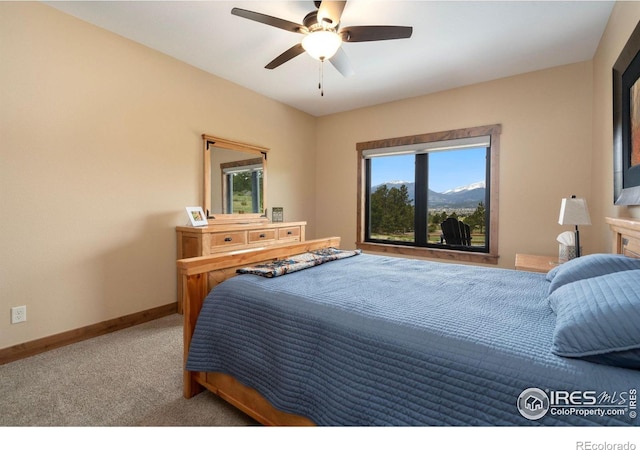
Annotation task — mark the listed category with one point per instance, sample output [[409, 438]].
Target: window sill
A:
[[450, 255]]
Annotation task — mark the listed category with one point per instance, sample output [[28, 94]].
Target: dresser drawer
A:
[[229, 235], [221, 240], [262, 235], [289, 233]]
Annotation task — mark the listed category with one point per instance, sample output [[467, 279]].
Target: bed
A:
[[373, 340]]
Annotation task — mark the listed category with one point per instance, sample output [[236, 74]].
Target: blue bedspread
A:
[[374, 340]]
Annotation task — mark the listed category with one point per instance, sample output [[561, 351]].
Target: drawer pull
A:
[[262, 235], [289, 233], [228, 239]]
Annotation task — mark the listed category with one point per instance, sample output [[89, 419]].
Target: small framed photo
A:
[[196, 216], [277, 214]]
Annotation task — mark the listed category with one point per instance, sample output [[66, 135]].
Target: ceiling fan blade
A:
[[341, 62], [375, 33], [269, 20], [330, 12], [286, 56]]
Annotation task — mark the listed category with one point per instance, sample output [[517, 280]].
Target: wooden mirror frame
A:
[[209, 141]]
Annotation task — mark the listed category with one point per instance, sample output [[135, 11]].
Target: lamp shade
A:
[[574, 211], [322, 44]]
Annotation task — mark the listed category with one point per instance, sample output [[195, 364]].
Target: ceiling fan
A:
[[323, 35]]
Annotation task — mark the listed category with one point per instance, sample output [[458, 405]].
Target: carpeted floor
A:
[[132, 377]]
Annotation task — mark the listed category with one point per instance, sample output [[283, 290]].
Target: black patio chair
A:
[[456, 232]]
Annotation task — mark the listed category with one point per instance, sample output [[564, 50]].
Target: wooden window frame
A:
[[492, 256]]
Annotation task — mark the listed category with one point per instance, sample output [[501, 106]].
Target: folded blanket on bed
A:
[[298, 262]]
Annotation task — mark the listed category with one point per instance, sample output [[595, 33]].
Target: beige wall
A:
[[557, 141], [623, 20], [100, 151], [545, 150]]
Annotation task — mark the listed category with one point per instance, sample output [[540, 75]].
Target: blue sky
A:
[[447, 169]]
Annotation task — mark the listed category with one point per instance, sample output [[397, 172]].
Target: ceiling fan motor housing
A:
[[310, 21]]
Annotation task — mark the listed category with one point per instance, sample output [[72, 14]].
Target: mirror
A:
[[235, 179]]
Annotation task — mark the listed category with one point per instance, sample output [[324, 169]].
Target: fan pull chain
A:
[[321, 77]]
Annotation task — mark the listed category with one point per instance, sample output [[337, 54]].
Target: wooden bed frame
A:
[[626, 236], [199, 275]]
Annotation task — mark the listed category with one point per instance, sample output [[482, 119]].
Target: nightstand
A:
[[535, 263]]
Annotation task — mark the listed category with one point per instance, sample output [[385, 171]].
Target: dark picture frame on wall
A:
[[626, 123]]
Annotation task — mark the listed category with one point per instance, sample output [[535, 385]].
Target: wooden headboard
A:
[[626, 236]]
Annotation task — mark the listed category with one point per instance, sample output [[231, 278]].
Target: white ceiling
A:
[[454, 43]]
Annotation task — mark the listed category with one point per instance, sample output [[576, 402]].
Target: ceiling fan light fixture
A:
[[321, 44]]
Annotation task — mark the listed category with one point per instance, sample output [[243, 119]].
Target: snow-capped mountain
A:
[[461, 197], [468, 187]]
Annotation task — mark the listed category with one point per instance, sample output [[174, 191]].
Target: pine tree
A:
[[477, 218], [391, 210]]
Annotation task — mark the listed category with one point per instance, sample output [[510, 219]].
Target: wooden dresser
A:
[[226, 237]]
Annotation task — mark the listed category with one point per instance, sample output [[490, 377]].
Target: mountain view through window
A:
[[411, 195]]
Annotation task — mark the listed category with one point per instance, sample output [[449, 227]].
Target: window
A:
[[243, 184], [410, 186]]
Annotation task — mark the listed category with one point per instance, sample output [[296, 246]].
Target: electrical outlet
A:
[[18, 314]]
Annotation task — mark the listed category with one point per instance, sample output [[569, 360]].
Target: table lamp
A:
[[574, 211]]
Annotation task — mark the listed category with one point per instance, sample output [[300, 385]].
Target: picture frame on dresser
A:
[[277, 214], [197, 216], [626, 123]]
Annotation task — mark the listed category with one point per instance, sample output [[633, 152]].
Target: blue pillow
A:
[[553, 272], [598, 319], [588, 267]]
